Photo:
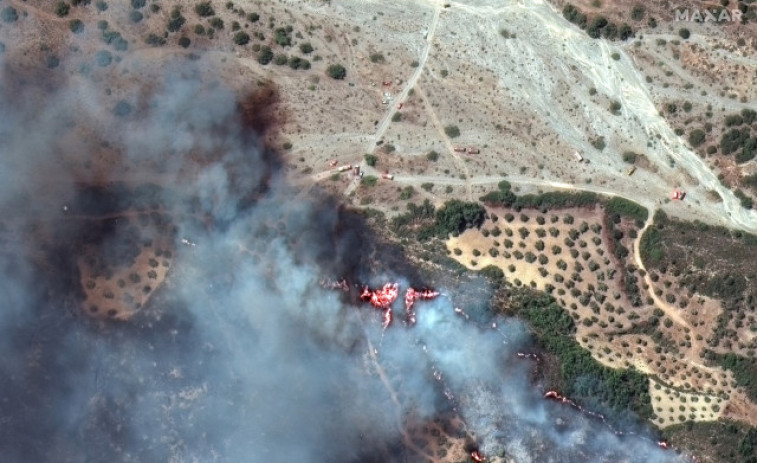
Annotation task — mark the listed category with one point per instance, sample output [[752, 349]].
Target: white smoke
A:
[[243, 356]]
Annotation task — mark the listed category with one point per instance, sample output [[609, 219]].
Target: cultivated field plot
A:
[[119, 286], [624, 317]]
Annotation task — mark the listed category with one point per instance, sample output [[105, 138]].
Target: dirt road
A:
[[371, 146]]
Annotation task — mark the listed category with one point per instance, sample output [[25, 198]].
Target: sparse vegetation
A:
[[407, 193], [155, 40], [377, 58], [176, 21], [62, 9], [369, 180]]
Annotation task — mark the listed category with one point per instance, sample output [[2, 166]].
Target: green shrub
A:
[[598, 143], [115, 39], [103, 58], [9, 14], [135, 16], [455, 216], [574, 15], [204, 9], [637, 12], [684, 33], [122, 108], [216, 23], [62, 9], [253, 17], [282, 37], [306, 48], [176, 21], [625, 32], [266, 55], [499, 198], [625, 207], [407, 193], [76, 26], [595, 27], [630, 157], [432, 156], [155, 40], [241, 38], [452, 131], [371, 159], [493, 272], [696, 138], [336, 71], [184, 42]]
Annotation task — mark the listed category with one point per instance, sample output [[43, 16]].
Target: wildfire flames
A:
[[384, 298], [554, 395], [381, 298], [477, 456], [411, 295]]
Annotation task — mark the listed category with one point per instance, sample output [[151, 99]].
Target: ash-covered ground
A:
[[241, 354]]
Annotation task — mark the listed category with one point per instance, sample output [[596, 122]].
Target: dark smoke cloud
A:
[[242, 356]]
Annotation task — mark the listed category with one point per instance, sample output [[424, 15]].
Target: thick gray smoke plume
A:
[[242, 356]]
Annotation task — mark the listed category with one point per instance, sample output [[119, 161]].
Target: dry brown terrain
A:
[[518, 83]]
